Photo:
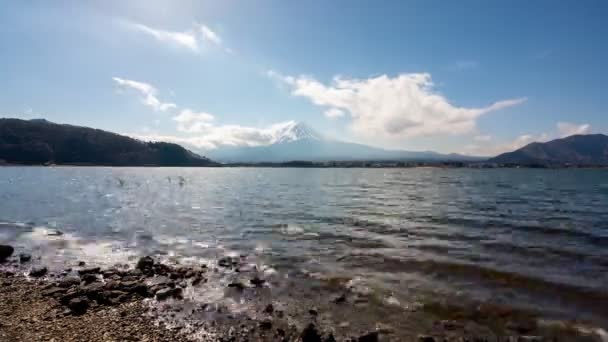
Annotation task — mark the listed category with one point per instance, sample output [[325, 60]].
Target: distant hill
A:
[[577, 150], [41, 142], [297, 141]]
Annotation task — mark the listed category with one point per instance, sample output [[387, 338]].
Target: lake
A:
[[529, 239]]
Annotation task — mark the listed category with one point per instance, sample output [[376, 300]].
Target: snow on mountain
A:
[[292, 131], [296, 141]]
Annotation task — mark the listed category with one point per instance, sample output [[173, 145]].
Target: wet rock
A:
[[38, 271], [330, 338], [90, 270], [78, 306], [226, 262], [164, 293], [237, 285], [69, 295], [310, 334], [369, 337], [81, 263], [341, 299], [178, 293], [93, 291], [266, 325], [168, 292], [269, 309], [89, 278], [69, 282], [313, 312], [197, 280], [257, 282], [5, 252], [145, 265], [425, 338], [24, 257]]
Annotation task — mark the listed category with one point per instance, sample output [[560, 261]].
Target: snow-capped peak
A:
[[292, 131]]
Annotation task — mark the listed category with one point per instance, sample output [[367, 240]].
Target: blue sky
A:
[[477, 77]]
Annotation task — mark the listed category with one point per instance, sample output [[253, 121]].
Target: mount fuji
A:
[[297, 141]]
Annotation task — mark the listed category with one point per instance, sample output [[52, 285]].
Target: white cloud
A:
[[148, 92], [566, 129], [209, 35], [211, 136], [394, 108], [191, 39], [333, 113], [192, 122], [185, 39], [489, 147]]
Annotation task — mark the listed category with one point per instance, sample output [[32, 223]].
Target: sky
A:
[[474, 77]]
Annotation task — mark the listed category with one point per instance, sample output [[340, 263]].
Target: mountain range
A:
[[297, 141], [43, 142], [575, 150]]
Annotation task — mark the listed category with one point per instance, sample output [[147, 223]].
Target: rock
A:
[[89, 278], [90, 270], [522, 326], [330, 338], [69, 295], [425, 338], [313, 312], [38, 271], [266, 324], [530, 339], [142, 290], [24, 257], [164, 293], [340, 299], [178, 293], [69, 282], [450, 324], [5, 252], [78, 306], [269, 309], [310, 334], [197, 280], [257, 282], [226, 262], [146, 265], [369, 337], [145, 262], [53, 291], [168, 292], [81, 263], [237, 285]]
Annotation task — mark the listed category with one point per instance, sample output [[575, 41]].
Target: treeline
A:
[[42, 142]]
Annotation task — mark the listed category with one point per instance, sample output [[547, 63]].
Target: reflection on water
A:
[[529, 238]]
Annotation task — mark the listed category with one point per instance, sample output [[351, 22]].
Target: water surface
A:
[[530, 239]]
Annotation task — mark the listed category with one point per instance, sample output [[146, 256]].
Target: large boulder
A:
[[5, 252]]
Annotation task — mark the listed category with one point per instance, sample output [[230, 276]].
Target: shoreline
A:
[[150, 301]]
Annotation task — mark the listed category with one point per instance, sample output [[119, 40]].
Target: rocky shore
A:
[[148, 301]]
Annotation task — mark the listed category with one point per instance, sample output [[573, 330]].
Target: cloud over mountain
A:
[[397, 107]]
